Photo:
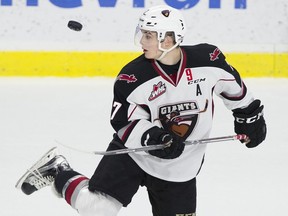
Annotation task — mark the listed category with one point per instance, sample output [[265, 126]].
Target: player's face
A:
[[149, 43]]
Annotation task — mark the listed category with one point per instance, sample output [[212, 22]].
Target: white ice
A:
[[235, 180]]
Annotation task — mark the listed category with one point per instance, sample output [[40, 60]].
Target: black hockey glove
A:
[[156, 135], [250, 121]]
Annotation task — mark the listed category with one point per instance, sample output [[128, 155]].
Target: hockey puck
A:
[[74, 25]]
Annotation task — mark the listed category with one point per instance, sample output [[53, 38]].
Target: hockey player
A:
[[164, 96]]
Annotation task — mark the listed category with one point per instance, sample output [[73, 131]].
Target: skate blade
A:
[[46, 157]]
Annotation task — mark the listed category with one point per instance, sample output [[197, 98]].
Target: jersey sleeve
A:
[[129, 119], [230, 87]]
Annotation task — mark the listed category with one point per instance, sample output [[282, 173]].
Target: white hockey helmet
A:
[[162, 19]]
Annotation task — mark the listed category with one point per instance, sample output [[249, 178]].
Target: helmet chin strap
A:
[[165, 51]]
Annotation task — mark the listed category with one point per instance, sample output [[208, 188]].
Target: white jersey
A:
[[178, 99]]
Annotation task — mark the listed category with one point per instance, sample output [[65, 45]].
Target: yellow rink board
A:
[[90, 64]]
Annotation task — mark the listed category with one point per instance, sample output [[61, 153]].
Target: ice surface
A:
[[234, 180]]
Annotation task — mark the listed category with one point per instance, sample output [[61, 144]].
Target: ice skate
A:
[[43, 172]]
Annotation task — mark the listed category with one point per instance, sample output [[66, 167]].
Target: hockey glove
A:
[[156, 135], [250, 121]]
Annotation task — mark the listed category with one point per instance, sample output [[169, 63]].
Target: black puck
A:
[[74, 25]]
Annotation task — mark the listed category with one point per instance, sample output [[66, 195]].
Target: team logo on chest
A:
[[180, 118], [158, 90]]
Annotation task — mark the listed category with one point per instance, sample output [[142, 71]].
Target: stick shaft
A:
[[161, 146]]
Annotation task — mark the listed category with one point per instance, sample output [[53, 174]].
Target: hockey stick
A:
[[162, 146]]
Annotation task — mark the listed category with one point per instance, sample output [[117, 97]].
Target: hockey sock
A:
[[69, 183], [74, 189]]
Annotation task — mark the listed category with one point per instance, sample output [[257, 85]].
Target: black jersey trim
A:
[[238, 97]]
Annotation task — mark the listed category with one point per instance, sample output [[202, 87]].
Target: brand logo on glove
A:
[[249, 120]]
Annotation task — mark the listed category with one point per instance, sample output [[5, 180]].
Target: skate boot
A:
[[43, 172]]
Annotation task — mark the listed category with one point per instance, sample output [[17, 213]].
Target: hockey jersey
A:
[[145, 95]]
